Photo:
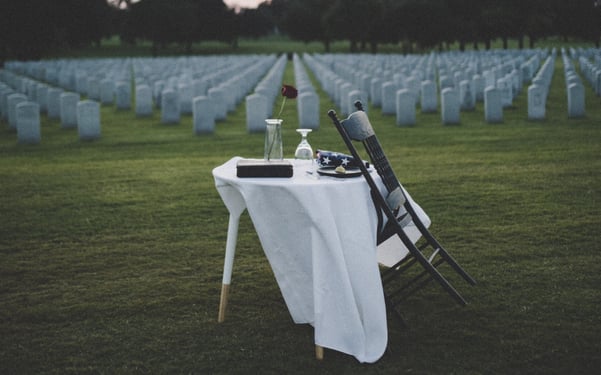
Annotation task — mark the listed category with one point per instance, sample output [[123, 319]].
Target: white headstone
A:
[[42, 95], [143, 100], [88, 120], [450, 106], [505, 88], [405, 107], [446, 82], [493, 107], [308, 110], [107, 91], [93, 88], [54, 102], [12, 101], [69, 102], [376, 92], [478, 84], [576, 107], [185, 94], [429, 97], [388, 98], [157, 90], [466, 95], [256, 113], [4, 93], [28, 122], [170, 112], [123, 95], [202, 115], [217, 97], [536, 102]]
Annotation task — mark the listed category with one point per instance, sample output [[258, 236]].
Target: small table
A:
[[319, 236]]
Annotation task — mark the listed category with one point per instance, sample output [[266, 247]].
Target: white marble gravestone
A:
[[107, 91], [376, 92], [256, 112], [478, 83], [388, 98], [217, 97], [450, 106], [466, 96], [12, 101], [157, 91], [185, 94], [308, 110], [576, 106], [170, 112], [42, 97], [505, 89], [123, 95], [54, 102], [429, 97], [536, 102], [493, 106], [28, 122], [88, 120], [446, 82], [69, 102], [93, 88], [203, 118], [143, 100], [405, 107], [4, 93]]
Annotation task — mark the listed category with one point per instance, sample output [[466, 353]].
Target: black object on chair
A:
[[399, 212]]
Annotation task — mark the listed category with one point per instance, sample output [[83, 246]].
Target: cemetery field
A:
[[111, 251]]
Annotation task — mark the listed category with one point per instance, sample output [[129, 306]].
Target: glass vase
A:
[[273, 140]]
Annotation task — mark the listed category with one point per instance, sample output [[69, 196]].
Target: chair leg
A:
[[225, 290]]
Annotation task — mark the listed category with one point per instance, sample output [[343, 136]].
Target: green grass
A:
[[111, 251]]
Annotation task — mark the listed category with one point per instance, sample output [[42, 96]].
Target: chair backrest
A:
[[358, 128]]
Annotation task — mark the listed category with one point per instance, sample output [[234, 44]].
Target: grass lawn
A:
[[111, 252]]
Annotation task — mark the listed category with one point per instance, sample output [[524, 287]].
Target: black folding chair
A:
[[398, 212]]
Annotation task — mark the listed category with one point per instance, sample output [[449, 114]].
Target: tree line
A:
[[29, 29]]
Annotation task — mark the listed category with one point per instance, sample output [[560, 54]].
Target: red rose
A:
[[289, 91]]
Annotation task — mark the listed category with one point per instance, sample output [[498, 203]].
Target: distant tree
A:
[[29, 29], [355, 21], [303, 20], [579, 18], [255, 23]]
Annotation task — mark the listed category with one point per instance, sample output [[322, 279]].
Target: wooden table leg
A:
[[319, 352], [225, 289]]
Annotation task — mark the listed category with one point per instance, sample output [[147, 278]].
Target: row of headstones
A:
[[23, 115], [410, 72], [574, 88], [216, 103], [176, 95], [591, 71], [308, 100], [342, 92], [225, 91], [259, 104], [538, 91], [496, 90], [96, 79]]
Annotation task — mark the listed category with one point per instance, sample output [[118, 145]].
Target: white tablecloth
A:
[[319, 236]]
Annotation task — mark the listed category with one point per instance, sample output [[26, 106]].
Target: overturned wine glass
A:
[[304, 150]]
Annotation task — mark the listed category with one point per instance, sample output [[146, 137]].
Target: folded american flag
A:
[[334, 159]]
